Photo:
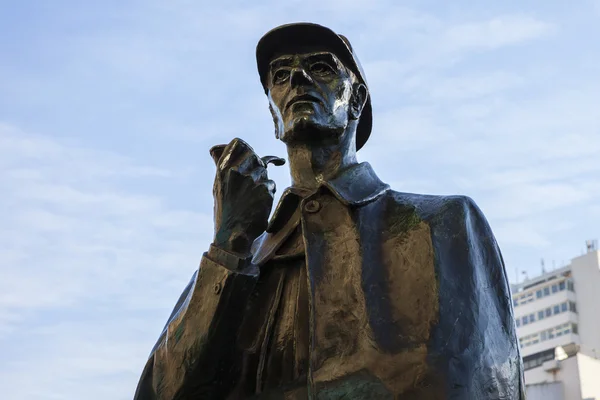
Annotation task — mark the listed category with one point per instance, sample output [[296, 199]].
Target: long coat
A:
[[408, 296]]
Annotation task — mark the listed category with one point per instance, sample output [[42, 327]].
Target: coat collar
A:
[[355, 186]]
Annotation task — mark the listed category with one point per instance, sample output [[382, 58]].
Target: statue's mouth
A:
[[302, 98]]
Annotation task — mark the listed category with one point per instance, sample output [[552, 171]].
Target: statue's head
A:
[[316, 88]]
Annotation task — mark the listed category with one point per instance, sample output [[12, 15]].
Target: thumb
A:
[[216, 152]]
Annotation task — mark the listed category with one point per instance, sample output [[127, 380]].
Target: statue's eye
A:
[[280, 76], [321, 69]]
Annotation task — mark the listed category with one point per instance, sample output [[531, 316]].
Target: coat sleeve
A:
[[476, 338], [193, 357]]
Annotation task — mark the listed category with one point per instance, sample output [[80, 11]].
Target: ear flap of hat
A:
[[347, 42]]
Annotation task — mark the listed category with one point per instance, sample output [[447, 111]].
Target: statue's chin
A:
[[304, 130]]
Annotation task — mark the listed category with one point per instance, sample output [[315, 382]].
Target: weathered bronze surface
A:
[[351, 290]]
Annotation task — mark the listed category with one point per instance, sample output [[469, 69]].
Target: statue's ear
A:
[[358, 100]]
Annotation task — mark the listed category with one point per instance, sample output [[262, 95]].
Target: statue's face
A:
[[311, 97]]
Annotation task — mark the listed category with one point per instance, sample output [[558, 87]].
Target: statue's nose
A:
[[299, 77]]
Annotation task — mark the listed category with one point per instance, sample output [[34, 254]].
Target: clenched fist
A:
[[243, 196]]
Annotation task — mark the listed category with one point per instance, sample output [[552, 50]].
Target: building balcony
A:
[[558, 338]]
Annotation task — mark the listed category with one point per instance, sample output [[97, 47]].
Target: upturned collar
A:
[[355, 186]]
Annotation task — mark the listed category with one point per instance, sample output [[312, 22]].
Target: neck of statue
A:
[[311, 164]]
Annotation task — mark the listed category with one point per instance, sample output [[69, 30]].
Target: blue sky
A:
[[108, 109]]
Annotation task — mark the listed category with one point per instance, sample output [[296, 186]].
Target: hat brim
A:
[[305, 37]]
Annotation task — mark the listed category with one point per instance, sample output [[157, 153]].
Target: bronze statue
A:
[[351, 290]]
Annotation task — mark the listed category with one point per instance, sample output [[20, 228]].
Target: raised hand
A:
[[243, 196]]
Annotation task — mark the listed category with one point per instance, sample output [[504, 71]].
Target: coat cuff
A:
[[226, 259]]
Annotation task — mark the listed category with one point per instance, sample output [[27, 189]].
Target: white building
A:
[[558, 324]]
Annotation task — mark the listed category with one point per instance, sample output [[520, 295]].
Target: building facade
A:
[[558, 323]]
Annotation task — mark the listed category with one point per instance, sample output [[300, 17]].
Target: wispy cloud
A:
[[81, 236], [496, 32]]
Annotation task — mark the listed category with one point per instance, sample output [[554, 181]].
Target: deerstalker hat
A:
[[303, 37]]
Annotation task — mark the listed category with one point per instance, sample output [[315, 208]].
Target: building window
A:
[[538, 294], [564, 307], [535, 360], [531, 317], [518, 322], [556, 309], [547, 334], [515, 303], [546, 291], [554, 288], [525, 320], [548, 312], [540, 315], [562, 285], [570, 285], [529, 297], [572, 307]]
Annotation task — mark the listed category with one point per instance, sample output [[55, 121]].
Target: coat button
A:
[[217, 288], [312, 206]]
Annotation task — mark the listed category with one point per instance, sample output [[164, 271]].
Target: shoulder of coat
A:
[[428, 205]]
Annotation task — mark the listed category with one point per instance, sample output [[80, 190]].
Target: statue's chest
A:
[[372, 294]]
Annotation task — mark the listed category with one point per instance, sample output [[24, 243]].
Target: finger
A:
[[258, 174], [233, 150], [257, 180], [264, 190], [234, 179], [242, 157], [249, 162], [269, 186]]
